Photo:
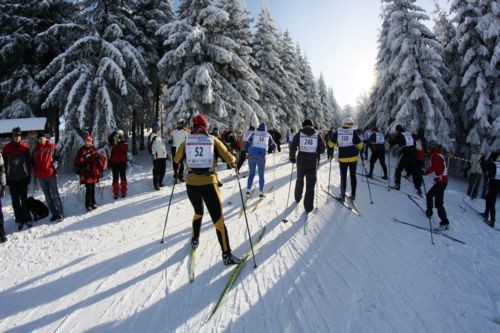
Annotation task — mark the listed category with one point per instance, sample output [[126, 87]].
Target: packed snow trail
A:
[[106, 271]]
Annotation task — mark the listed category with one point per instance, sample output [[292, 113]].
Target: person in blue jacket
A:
[[256, 148]]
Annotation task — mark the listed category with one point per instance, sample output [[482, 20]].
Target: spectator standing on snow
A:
[[475, 172], [310, 144], [158, 153], [199, 149], [350, 144], [87, 163], [45, 157], [436, 192], [177, 137], [118, 161], [492, 168], [17, 160], [366, 137]]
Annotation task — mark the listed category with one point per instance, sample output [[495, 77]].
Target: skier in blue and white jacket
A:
[[256, 149]]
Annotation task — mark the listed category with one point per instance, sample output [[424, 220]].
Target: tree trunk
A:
[[134, 132]]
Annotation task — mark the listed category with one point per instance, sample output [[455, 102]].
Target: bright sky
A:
[[339, 37]]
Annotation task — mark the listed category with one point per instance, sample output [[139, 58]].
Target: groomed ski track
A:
[[106, 271]]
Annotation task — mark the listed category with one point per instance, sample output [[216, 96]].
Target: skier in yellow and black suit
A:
[[200, 150]]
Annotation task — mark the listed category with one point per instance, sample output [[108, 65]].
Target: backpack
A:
[[37, 208], [102, 161]]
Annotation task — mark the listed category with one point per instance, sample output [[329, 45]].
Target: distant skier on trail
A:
[[199, 150], [310, 144], [377, 143], [436, 192], [158, 152], [256, 148], [243, 155], [350, 144], [407, 159]]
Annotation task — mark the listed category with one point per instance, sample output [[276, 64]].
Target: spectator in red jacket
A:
[[118, 161], [86, 162], [436, 192], [17, 158], [45, 159]]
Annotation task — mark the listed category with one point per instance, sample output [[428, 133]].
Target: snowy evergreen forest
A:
[[98, 65]]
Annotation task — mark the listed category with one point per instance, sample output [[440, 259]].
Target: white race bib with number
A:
[[260, 139], [345, 137], [308, 144], [497, 175], [379, 138], [200, 151], [408, 138], [247, 135]]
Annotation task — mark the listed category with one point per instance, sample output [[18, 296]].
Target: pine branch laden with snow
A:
[[202, 67], [478, 35]]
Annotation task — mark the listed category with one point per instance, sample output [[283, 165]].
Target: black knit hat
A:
[[16, 131], [307, 122], [40, 134]]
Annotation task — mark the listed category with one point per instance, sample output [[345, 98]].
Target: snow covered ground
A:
[[106, 270]]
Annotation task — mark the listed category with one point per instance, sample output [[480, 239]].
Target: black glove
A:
[[170, 141], [293, 160]]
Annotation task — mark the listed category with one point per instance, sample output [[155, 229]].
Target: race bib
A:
[[200, 151], [379, 138], [408, 139], [497, 175], [247, 135], [308, 144], [260, 139], [345, 137]]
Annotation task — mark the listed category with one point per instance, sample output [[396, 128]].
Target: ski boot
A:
[[194, 243], [229, 259]]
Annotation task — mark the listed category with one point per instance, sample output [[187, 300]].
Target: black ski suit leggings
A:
[[437, 193], [210, 195]]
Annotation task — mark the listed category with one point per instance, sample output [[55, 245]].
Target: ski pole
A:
[[289, 189], [329, 175], [367, 181], [246, 219], [168, 209], [316, 187], [430, 220]]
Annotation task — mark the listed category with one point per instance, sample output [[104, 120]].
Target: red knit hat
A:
[[200, 122]]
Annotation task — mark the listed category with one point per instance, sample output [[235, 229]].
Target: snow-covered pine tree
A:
[[415, 66], [381, 99], [246, 81], [195, 67], [96, 79], [477, 34], [362, 109], [329, 106], [266, 48], [292, 103], [312, 105], [23, 52], [445, 33], [149, 16], [476, 72], [332, 101]]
